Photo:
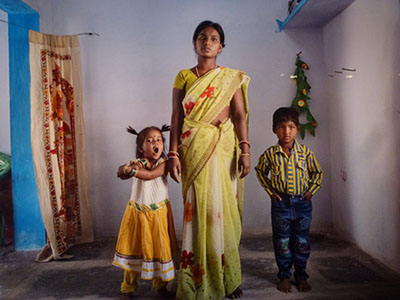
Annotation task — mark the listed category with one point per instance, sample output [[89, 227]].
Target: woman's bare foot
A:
[[126, 296], [236, 294], [284, 286], [163, 294], [303, 286]]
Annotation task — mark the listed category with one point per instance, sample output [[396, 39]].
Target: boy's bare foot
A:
[[236, 294], [284, 286], [303, 286]]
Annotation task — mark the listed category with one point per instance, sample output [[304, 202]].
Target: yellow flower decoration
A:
[[304, 66], [304, 92], [301, 103]]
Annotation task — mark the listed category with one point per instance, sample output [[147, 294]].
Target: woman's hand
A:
[[238, 116], [244, 165], [174, 168]]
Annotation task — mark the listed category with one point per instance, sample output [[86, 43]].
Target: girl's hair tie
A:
[[165, 128], [131, 130]]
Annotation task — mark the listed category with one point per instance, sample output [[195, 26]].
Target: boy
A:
[[295, 177]]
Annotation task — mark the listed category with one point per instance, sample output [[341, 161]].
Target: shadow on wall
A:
[[340, 158], [395, 136]]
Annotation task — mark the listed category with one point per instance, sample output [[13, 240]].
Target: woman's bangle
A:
[[133, 172], [173, 154], [176, 157], [244, 142], [244, 154]]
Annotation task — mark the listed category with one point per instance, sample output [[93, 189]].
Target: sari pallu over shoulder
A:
[[204, 101], [210, 260]]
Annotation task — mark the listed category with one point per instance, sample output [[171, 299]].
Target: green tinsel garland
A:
[[301, 100]]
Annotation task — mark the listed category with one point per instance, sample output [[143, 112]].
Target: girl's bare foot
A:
[[236, 294], [303, 286], [284, 286]]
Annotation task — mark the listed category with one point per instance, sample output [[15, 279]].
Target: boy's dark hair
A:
[[206, 24], [284, 114], [142, 135]]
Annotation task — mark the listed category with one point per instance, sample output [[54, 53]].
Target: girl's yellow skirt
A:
[[146, 241]]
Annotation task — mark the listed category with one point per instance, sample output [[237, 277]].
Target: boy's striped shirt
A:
[[292, 175]]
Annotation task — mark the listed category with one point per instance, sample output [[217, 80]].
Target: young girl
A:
[[209, 144], [146, 241]]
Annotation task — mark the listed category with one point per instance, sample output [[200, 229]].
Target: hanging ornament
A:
[[301, 103], [301, 100]]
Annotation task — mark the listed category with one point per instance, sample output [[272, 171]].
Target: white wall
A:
[[365, 123], [128, 73], [5, 146]]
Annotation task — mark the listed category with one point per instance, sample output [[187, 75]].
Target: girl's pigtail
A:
[[165, 128], [131, 130]]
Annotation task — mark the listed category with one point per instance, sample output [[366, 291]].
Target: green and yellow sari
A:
[[212, 192]]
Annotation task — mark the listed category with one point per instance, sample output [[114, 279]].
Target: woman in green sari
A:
[[210, 152]]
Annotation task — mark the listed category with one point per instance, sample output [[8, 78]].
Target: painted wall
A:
[[128, 73], [5, 146], [365, 122], [29, 231]]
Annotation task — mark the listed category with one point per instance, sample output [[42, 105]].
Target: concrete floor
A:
[[337, 269]]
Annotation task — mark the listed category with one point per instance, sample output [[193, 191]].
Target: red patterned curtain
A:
[[58, 142]]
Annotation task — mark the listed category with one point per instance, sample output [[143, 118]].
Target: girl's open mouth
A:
[[156, 150]]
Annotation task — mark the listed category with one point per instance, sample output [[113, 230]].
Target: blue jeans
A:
[[291, 220]]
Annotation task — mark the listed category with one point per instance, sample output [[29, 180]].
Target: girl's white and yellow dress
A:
[[146, 241]]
